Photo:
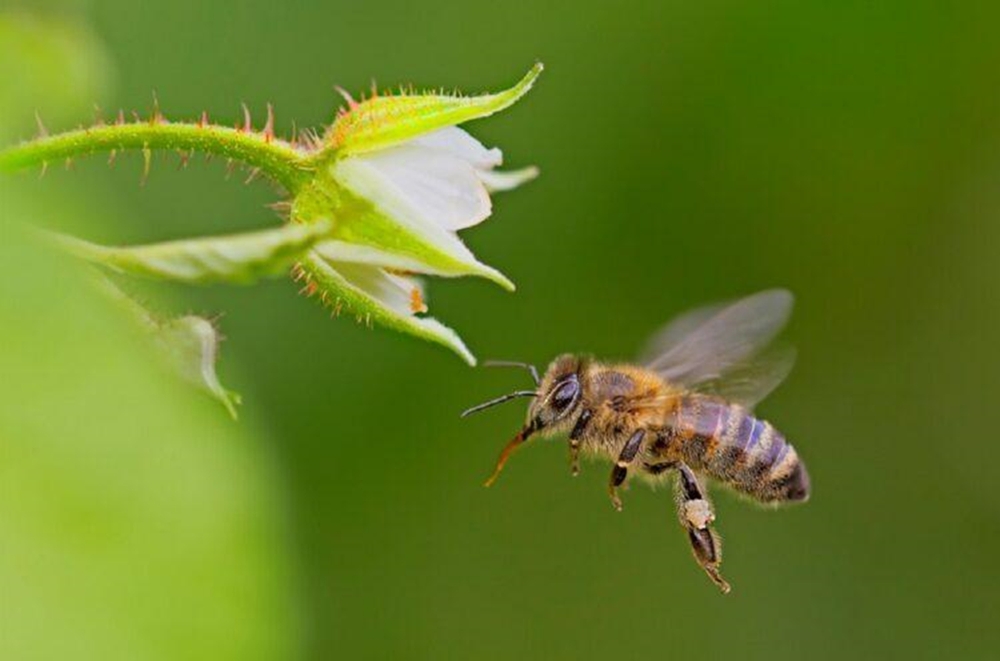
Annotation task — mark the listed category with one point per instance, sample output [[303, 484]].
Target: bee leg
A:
[[620, 470], [574, 440], [574, 457], [696, 515]]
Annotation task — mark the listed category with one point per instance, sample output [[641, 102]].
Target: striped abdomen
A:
[[727, 442]]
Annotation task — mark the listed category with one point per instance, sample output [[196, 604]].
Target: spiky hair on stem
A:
[[262, 151]]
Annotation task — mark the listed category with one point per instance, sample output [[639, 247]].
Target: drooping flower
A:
[[374, 203], [400, 180]]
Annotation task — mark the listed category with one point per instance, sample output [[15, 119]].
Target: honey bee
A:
[[686, 412]]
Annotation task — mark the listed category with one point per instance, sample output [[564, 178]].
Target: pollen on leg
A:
[[698, 513]]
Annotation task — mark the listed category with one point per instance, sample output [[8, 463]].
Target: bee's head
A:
[[554, 402], [558, 396]]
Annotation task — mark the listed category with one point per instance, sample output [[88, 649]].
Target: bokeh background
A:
[[690, 152]]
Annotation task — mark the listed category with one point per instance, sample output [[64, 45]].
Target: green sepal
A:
[[237, 258], [191, 344], [356, 295], [382, 121]]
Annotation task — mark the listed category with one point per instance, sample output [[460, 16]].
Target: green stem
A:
[[283, 162]]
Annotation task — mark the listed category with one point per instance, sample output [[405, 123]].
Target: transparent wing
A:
[[750, 382], [718, 347], [677, 329]]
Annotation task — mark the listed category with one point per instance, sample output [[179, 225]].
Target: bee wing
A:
[[677, 329], [750, 382], [717, 347]]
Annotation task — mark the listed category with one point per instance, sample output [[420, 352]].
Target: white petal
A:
[[343, 251], [415, 182], [356, 253], [457, 142], [402, 295], [498, 181]]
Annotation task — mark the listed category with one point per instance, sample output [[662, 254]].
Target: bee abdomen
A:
[[747, 453]]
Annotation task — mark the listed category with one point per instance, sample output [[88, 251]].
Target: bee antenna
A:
[[514, 363], [498, 400]]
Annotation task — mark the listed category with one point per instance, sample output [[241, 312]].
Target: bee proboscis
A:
[[685, 412]]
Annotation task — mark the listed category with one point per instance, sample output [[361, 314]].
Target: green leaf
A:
[[135, 521], [191, 344], [371, 295], [386, 120], [237, 258]]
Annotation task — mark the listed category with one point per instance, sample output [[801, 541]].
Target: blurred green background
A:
[[689, 152]]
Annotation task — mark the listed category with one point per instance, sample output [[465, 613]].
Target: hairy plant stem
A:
[[287, 164]]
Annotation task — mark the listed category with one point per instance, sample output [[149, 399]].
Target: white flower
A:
[[430, 187], [398, 180]]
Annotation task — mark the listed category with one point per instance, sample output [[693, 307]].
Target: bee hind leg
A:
[[620, 470], [696, 515]]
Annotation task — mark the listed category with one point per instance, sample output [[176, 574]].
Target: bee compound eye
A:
[[565, 394]]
